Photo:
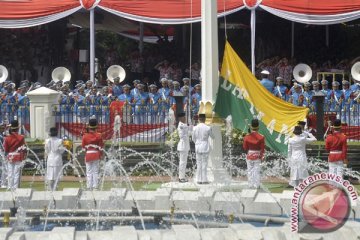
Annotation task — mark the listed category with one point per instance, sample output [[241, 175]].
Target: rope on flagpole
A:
[[225, 28], [190, 60]]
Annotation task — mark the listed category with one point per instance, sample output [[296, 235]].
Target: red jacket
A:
[[254, 144], [337, 146], [92, 153], [12, 143]]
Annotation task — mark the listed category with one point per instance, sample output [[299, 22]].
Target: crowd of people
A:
[[32, 53], [138, 104], [345, 102]]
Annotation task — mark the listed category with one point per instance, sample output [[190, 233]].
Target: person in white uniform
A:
[[297, 156], [200, 136], [54, 149], [183, 146]]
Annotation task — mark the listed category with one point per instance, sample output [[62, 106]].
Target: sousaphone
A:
[[3, 73], [116, 71], [302, 73], [355, 72], [61, 74]]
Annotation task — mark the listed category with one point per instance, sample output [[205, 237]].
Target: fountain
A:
[[224, 209], [217, 211]]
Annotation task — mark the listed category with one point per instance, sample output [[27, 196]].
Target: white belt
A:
[[14, 153], [253, 151], [92, 151], [334, 152]]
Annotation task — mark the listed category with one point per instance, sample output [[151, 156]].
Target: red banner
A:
[[351, 132], [107, 131]]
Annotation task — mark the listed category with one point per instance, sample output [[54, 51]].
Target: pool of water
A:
[[88, 222]]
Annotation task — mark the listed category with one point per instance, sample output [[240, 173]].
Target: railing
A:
[[128, 123], [350, 118]]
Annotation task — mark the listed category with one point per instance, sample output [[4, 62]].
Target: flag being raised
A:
[[241, 95]]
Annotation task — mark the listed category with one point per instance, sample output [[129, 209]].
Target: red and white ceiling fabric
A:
[[27, 13], [166, 11], [319, 12]]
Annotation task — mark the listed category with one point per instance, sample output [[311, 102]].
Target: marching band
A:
[[137, 105]]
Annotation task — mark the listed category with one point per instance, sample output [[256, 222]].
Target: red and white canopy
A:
[[166, 11], [320, 12], [27, 13]]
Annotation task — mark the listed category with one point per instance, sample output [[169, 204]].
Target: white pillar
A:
[[41, 118], [253, 28], [210, 83], [209, 51], [292, 39], [92, 45], [141, 38]]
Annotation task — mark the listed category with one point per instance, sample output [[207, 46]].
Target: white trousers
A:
[[336, 168], [92, 174], [183, 156], [53, 174], [253, 173], [201, 167], [14, 175]]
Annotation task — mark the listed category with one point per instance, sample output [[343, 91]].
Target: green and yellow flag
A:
[[243, 97]]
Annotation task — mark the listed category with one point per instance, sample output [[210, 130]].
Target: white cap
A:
[[265, 72]]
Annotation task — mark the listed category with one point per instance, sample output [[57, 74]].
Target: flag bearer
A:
[[93, 143], [183, 146], [336, 145], [14, 147], [254, 145]]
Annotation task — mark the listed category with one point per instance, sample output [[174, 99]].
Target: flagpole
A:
[[209, 51], [210, 84], [253, 27], [92, 44]]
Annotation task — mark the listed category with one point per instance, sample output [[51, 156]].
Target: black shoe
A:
[[199, 183], [289, 186], [205, 183], [183, 180]]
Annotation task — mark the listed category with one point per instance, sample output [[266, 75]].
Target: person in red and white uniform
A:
[[254, 145], [336, 145], [93, 143], [14, 147]]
